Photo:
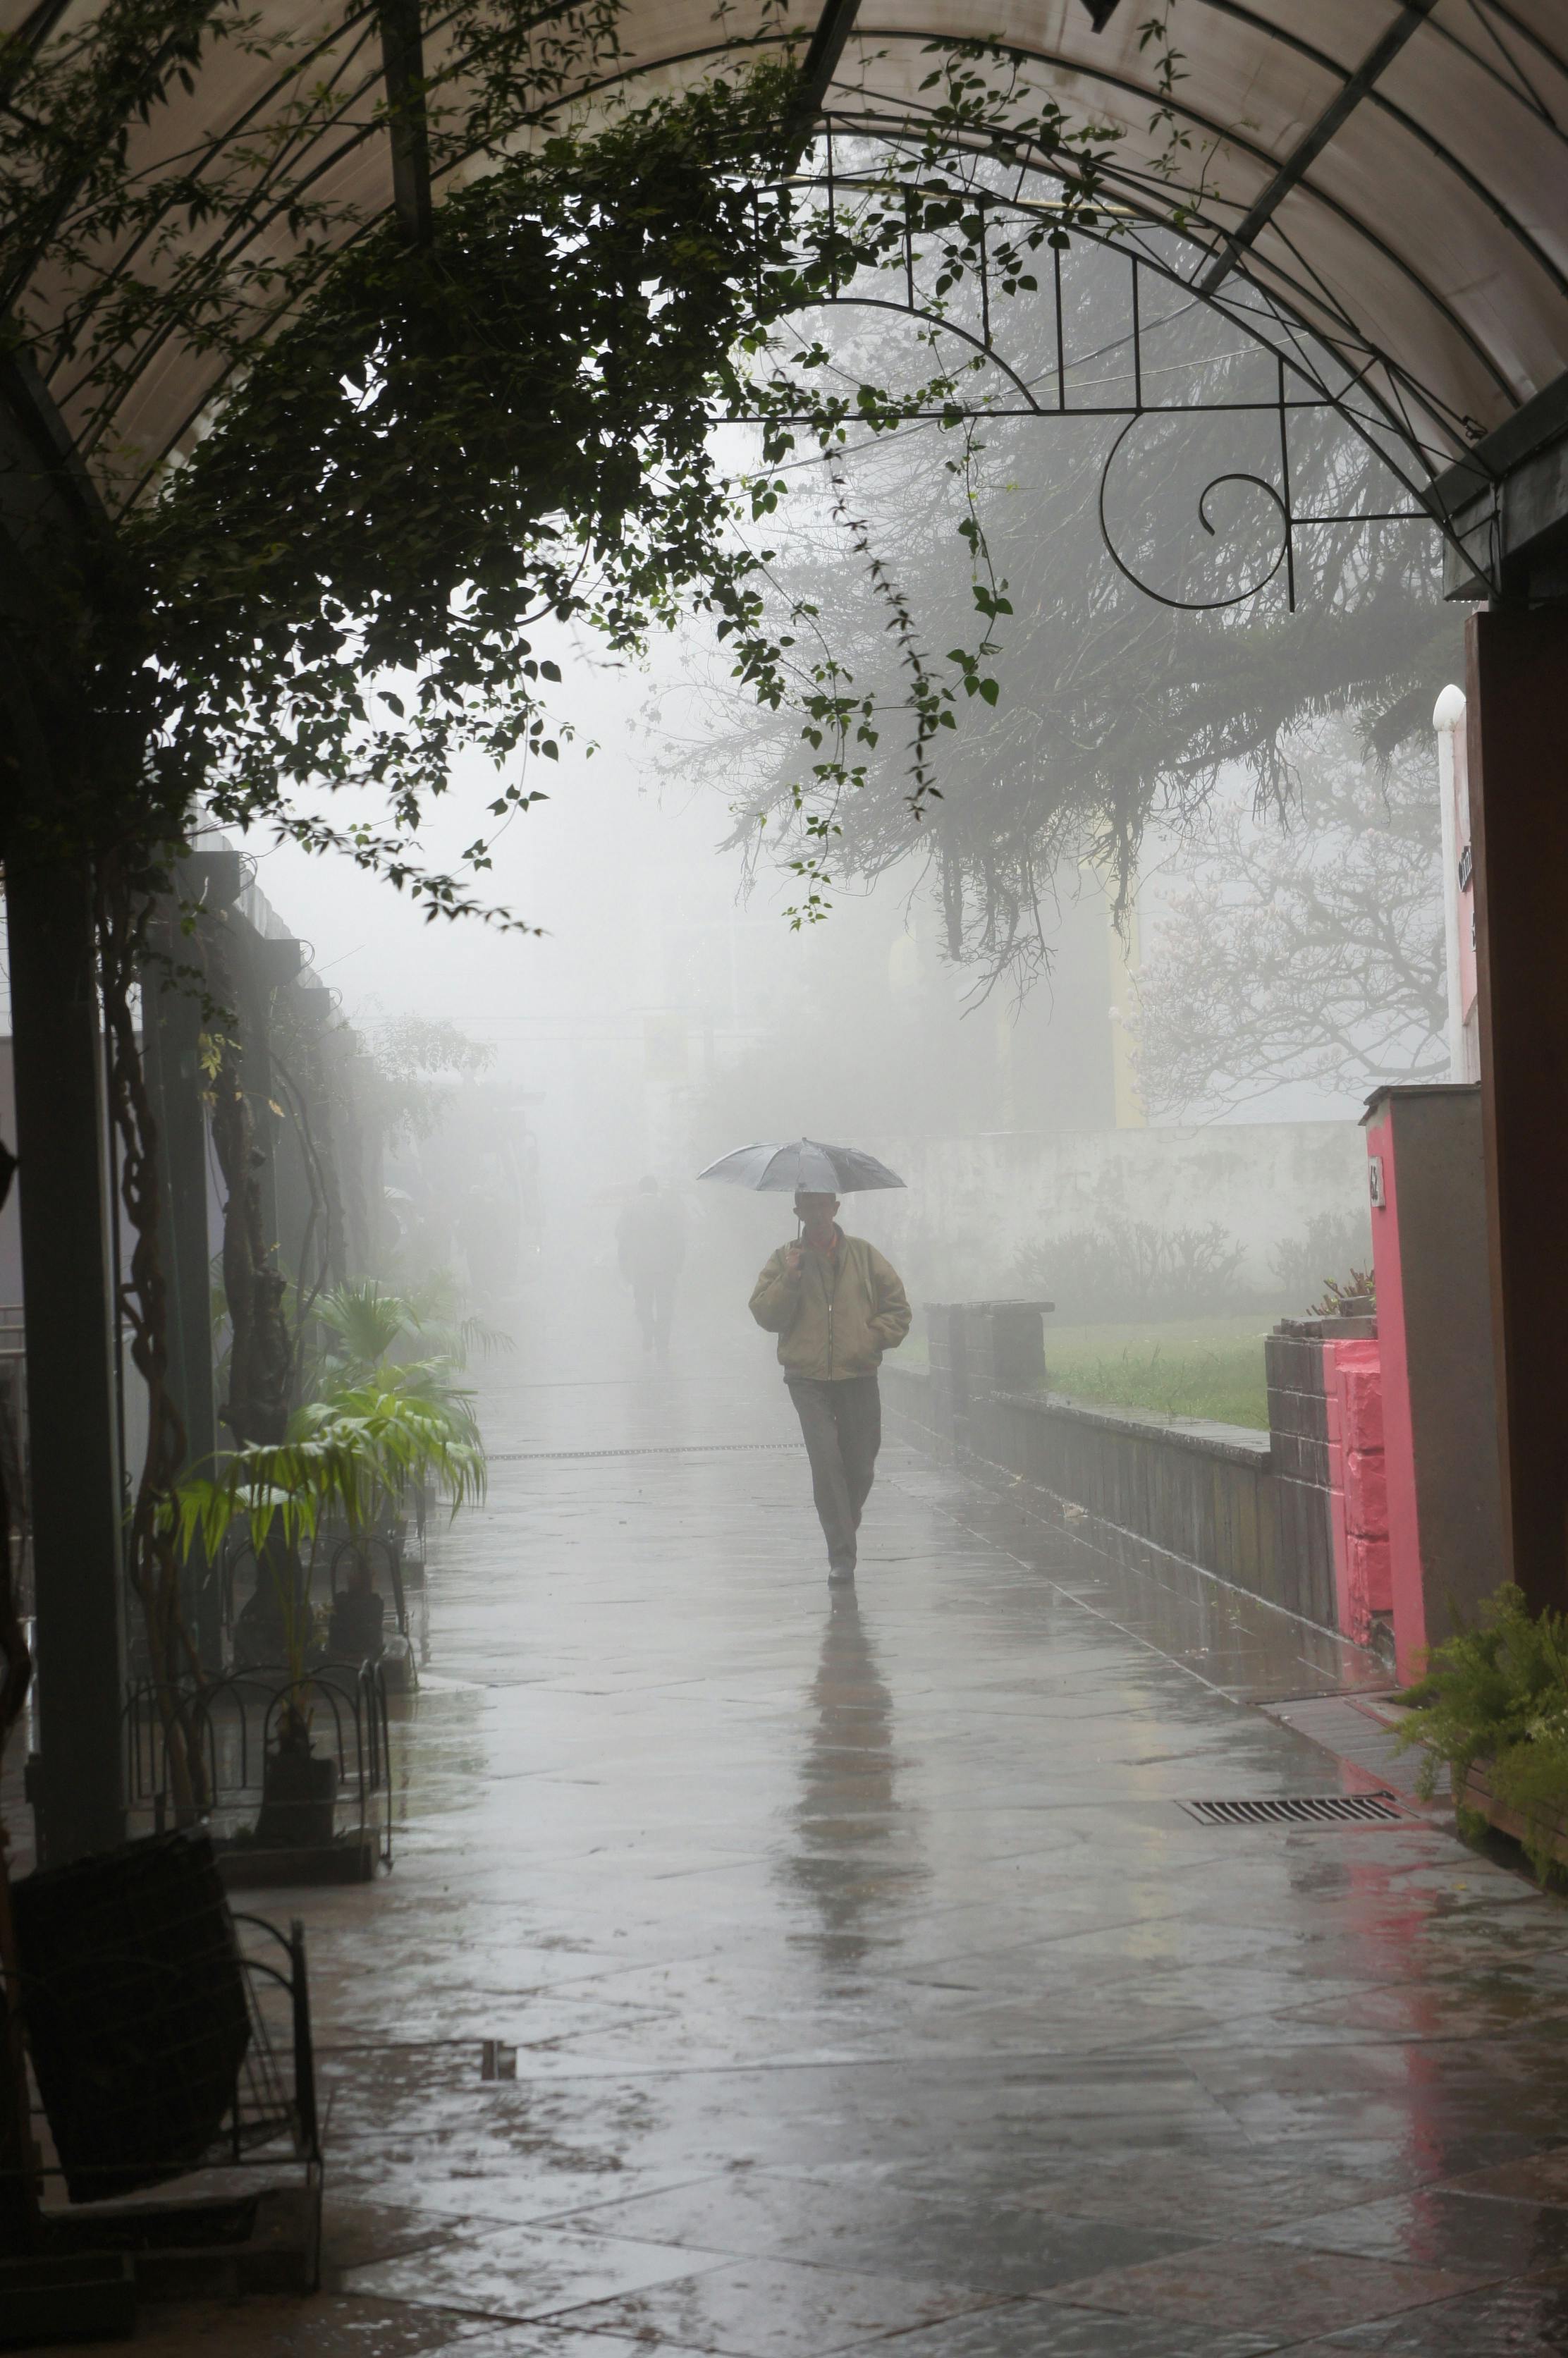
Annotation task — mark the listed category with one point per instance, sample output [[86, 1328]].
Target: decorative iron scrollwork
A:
[[1284, 556], [1305, 382]]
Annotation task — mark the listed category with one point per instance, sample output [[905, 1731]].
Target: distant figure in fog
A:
[[836, 1306], [651, 1238]]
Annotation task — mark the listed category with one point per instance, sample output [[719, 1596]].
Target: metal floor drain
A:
[[646, 1449], [1300, 1810]]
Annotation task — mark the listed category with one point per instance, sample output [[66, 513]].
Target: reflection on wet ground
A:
[[871, 1986]]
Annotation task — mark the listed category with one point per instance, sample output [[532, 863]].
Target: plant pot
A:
[[299, 1789]]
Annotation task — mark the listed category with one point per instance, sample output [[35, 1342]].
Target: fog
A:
[[665, 1011], [1110, 1004]]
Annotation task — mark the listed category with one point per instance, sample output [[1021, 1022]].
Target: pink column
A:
[[1358, 1500], [1407, 1596]]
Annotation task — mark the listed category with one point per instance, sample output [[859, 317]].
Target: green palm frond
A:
[[342, 1457], [476, 1334], [402, 1436], [366, 1319], [371, 1324]]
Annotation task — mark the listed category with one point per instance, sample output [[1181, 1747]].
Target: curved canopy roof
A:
[[1394, 176]]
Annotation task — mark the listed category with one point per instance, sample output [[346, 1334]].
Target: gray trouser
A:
[[842, 1423]]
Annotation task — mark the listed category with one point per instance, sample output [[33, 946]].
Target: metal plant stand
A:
[[240, 1726], [244, 2215]]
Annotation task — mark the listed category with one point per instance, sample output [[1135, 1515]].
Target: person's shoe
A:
[[841, 1574]]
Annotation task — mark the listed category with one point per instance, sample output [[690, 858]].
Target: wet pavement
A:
[[869, 1983]]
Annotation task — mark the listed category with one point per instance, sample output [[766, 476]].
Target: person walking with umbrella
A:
[[836, 1306]]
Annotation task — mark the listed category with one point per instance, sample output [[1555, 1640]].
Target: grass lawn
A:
[[1188, 1367], [1191, 1367]]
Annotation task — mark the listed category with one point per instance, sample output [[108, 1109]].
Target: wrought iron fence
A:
[[236, 1724]]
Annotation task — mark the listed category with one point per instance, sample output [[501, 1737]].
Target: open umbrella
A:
[[820, 1170]]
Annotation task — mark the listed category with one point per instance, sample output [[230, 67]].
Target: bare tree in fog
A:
[[416, 1059], [1116, 711], [1302, 949]]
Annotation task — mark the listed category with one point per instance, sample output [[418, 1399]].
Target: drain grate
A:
[[646, 1449], [1300, 1810]]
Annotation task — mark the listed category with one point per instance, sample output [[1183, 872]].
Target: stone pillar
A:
[[72, 1402], [978, 1349], [1429, 1245], [1515, 690], [947, 1341], [266, 964], [343, 1063], [171, 1048], [312, 1155], [1299, 1463], [1014, 1344]]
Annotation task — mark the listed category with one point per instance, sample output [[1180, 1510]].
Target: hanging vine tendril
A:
[[124, 907]]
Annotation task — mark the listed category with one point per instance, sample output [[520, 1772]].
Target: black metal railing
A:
[[237, 1723]]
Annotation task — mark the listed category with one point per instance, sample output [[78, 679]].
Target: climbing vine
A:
[[424, 447], [423, 453], [151, 1558]]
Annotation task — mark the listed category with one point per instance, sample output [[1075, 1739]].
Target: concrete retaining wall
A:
[[1202, 1492], [1252, 1509], [1298, 1438]]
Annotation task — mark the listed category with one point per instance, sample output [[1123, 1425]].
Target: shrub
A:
[[1130, 1269], [1343, 1294], [1498, 1693], [1330, 1240]]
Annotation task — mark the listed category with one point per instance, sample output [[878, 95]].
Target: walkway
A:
[[867, 1976]]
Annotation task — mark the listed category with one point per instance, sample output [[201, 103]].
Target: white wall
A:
[[972, 1203]]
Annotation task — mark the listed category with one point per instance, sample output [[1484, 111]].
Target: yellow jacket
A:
[[839, 1316]]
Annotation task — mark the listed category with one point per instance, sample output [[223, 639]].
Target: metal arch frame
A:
[[1148, 203], [1318, 395], [1147, 197], [1268, 311], [833, 27], [1360, 86]]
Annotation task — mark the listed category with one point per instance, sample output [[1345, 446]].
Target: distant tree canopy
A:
[[1311, 950], [416, 1059], [1114, 710]]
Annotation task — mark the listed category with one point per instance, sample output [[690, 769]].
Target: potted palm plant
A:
[[416, 1344], [347, 1461]]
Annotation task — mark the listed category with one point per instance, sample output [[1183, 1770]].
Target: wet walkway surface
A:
[[871, 1986]]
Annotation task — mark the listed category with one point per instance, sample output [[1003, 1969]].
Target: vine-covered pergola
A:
[[1376, 189]]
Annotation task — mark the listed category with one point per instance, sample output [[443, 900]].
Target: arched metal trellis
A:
[[1305, 378]]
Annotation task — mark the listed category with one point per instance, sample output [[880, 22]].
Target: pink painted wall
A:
[[1359, 1501], [1406, 1591]]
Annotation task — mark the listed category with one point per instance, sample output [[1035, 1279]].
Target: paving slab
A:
[[871, 1986]]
